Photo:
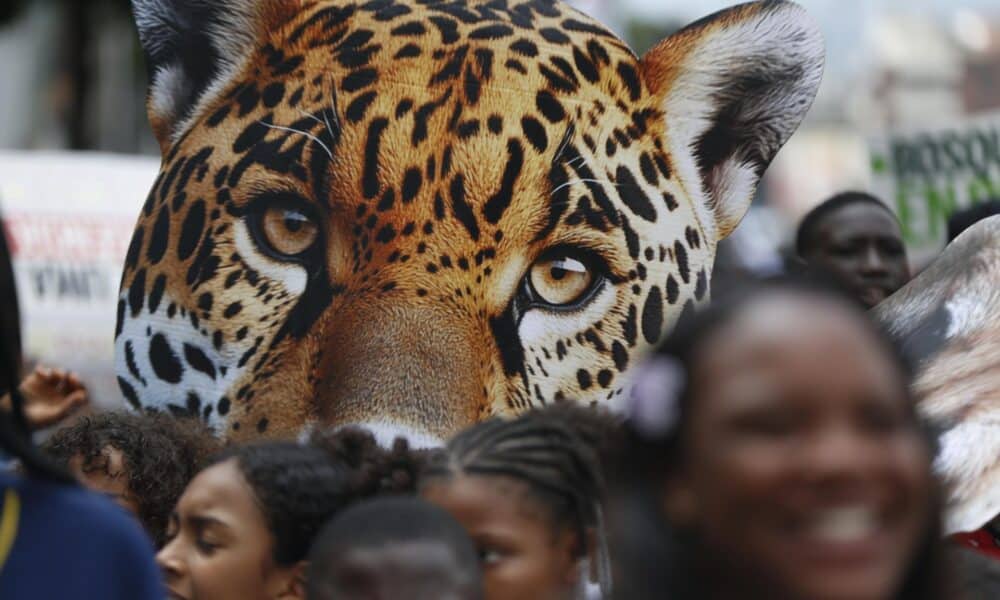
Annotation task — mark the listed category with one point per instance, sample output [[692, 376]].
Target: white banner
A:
[[928, 174], [69, 220]]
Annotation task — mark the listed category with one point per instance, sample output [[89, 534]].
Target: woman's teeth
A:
[[843, 525]]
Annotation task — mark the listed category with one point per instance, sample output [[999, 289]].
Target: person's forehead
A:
[[778, 325], [806, 346], [860, 218], [488, 497], [220, 487]]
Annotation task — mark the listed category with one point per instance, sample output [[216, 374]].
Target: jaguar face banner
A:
[[948, 321], [416, 214]]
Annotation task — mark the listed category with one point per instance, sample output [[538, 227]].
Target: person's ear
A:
[[680, 503], [293, 582], [571, 550]]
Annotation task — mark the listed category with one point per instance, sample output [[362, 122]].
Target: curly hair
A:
[[161, 455], [298, 487], [385, 471]]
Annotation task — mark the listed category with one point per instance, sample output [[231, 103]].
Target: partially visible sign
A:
[[929, 174], [69, 219]]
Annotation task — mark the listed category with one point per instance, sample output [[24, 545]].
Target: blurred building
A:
[[981, 76], [73, 78]]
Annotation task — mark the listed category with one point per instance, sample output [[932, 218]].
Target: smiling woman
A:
[[790, 464]]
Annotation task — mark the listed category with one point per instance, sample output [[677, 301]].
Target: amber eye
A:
[[561, 280], [288, 232]]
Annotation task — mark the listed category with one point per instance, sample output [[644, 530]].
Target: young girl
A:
[[141, 461], [778, 454], [243, 527], [528, 491]]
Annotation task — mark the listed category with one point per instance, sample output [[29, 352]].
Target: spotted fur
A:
[[444, 151]]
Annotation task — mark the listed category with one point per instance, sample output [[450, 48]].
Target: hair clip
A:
[[653, 407]]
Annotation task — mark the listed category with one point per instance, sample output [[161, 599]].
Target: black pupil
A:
[[293, 222], [558, 273]]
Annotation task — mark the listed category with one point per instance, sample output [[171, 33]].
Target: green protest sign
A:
[[926, 175]]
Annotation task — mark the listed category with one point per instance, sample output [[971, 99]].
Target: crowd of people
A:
[[771, 449]]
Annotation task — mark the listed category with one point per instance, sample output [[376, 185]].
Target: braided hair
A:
[[555, 452]]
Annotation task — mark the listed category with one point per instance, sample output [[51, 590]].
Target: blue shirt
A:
[[70, 543]]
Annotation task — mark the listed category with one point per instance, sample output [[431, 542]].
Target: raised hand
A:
[[50, 396]]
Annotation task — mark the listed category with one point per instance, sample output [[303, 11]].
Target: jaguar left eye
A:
[[563, 279], [286, 231]]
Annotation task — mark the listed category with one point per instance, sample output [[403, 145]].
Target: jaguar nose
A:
[[402, 369]]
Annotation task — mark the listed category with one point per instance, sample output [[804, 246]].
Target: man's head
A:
[[394, 548], [856, 238]]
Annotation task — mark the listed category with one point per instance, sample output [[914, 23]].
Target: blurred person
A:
[[964, 219], [529, 493], [777, 454], [141, 461], [392, 548], [49, 396], [244, 525], [57, 540], [10, 315], [856, 239]]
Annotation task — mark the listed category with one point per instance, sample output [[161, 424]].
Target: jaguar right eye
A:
[[285, 230]]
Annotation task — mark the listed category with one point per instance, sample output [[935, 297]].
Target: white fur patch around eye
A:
[[176, 334], [292, 277], [539, 325]]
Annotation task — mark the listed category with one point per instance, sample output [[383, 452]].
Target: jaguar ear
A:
[[733, 87], [193, 49]]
